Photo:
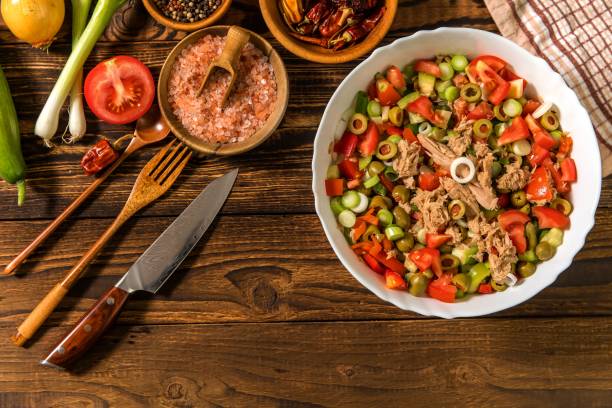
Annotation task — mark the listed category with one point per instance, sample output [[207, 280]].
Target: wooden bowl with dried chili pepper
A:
[[329, 31]]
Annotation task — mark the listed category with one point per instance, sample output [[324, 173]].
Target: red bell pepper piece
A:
[[568, 170], [517, 130], [347, 144], [539, 187], [512, 217], [481, 111], [485, 288], [369, 140], [349, 169], [373, 264], [442, 290], [537, 155], [423, 106], [409, 136], [391, 263], [386, 93], [429, 181], [394, 280], [428, 67], [550, 218], [358, 230], [388, 184], [436, 240], [396, 77], [565, 147], [517, 236], [540, 136], [334, 187]]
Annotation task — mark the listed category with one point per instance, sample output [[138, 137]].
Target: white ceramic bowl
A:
[[545, 82]]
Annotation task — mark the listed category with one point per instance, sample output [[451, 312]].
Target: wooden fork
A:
[[154, 180]]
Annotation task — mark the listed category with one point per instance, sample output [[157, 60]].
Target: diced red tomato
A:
[[426, 258], [391, 263], [436, 240], [396, 77], [517, 236], [537, 155], [512, 217], [561, 185], [347, 144], [565, 147], [496, 63], [392, 130], [441, 290], [568, 170], [503, 200], [409, 136], [531, 106], [540, 136], [539, 187], [369, 140], [334, 187], [497, 86], [388, 184], [428, 67], [349, 169], [394, 280], [516, 131], [485, 288], [373, 264], [429, 181], [386, 93], [423, 106], [550, 218], [387, 244], [499, 93], [481, 111]]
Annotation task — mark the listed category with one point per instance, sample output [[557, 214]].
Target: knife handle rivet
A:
[[87, 328], [110, 301]]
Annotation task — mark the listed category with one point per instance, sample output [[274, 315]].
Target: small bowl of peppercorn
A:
[[187, 15]]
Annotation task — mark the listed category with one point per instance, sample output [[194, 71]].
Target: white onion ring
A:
[[542, 109], [455, 165], [510, 280]]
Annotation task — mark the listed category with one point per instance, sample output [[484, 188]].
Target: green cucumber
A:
[[12, 165], [426, 83]]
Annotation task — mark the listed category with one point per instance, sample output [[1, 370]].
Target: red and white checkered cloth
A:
[[575, 38]]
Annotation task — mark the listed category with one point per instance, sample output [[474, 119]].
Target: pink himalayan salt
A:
[[247, 108]]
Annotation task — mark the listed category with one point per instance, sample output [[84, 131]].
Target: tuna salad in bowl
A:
[[455, 180]]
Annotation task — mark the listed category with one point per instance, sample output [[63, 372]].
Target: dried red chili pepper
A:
[[98, 157], [335, 21], [358, 31]]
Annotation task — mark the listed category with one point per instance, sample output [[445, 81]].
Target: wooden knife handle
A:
[[87, 330]]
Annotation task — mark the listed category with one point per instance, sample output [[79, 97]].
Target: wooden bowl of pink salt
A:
[[253, 110]]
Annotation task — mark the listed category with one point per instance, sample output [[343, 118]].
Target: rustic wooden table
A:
[[262, 313]]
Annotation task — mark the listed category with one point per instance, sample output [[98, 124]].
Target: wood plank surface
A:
[[470, 363], [262, 314]]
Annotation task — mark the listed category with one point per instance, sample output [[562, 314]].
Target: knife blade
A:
[[148, 273]]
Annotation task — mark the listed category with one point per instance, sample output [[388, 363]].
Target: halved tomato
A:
[[119, 90]]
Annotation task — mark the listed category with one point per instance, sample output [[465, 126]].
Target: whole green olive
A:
[[497, 286], [401, 217], [400, 194], [378, 202], [526, 269], [518, 199], [376, 167], [532, 235], [544, 251], [418, 284], [462, 281], [405, 244]]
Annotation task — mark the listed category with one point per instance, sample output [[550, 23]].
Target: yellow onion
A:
[[34, 21]]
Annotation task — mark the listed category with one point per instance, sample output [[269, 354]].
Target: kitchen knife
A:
[[148, 273]]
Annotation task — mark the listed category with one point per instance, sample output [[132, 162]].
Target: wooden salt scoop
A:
[[235, 41]]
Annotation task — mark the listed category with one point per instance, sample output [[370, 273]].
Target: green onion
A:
[[393, 232], [425, 128], [364, 162], [350, 199], [391, 174], [512, 108], [498, 111], [451, 93], [372, 181], [404, 101], [385, 216], [333, 172], [361, 103], [441, 86], [459, 62], [394, 139], [447, 71], [374, 109], [336, 205], [422, 236], [380, 189], [347, 218], [500, 128], [521, 147], [46, 124], [385, 113], [363, 204]]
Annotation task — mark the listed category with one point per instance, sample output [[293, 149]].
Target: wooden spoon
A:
[[235, 41], [150, 128]]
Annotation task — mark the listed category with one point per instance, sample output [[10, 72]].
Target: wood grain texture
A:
[[488, 363]]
